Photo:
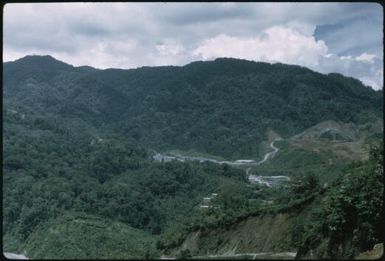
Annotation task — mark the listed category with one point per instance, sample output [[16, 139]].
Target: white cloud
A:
[[286, 45], [101, 54], [368, 58], [365, 67], [275, 44], [167, 52], [169, 49]]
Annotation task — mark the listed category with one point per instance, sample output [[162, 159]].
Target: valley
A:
[[241, 162], [217, 159]]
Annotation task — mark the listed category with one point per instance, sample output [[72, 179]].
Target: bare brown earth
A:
[[253, 235], [346, 141], [376, 253]]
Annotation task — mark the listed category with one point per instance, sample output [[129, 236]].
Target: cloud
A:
[[192, 13], [366, 58], [370, 72], [168, 52], [322, 36], [285, 45], [275, 44], [367, 30], [169, 49]]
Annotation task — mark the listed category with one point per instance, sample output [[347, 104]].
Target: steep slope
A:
[[79, 139], [210, 107], [376, 253], [338, 221], [349, 219], [54, 168], [85, 236], [263, 234], [323, 149]]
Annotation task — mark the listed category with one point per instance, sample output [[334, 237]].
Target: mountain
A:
[[270, 160], [44, 63], [223, 107]]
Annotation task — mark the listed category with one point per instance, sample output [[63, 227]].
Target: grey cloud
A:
[[127, 34], [24, 40], [197, 13], [339, 37], [90, 29], [332, 13], [369, 74]]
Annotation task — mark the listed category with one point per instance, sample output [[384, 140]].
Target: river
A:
[[14, 256], [245, 162], [269, 181], [240, 162]]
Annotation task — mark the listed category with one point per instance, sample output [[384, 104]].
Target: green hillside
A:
[[53, 169], [223, 107], [80, 179], [80, 236]]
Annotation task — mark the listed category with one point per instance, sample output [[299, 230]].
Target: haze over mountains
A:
[[81, 181]]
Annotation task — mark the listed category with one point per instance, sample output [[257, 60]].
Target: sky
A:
[[346, 38]]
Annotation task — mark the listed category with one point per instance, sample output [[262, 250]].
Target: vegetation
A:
[[349, 219], [80, 181], [210, 107], [81, 236], [337, 221], [50, 170]]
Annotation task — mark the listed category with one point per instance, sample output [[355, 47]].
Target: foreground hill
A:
[[67, 191], [223, 107], [334, 222]]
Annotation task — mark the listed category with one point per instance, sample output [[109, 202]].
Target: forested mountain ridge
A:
[[80, 179], [211, 107]]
